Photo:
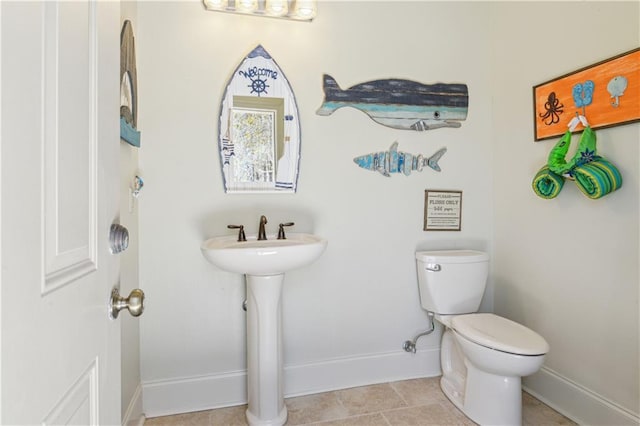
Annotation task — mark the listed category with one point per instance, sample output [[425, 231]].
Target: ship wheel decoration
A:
[[258, 86]]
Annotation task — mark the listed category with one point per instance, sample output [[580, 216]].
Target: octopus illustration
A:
[[553, 109], [616, 87]]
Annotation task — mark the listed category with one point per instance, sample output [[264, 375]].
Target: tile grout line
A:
[[399, 394], [386, 419], [402, 398], [371, 413], [404, 401]]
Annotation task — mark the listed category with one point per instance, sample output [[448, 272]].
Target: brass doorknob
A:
[[134, 303]]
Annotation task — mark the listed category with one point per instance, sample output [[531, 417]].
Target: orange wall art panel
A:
[[606, 93]]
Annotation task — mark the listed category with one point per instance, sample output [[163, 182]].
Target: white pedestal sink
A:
[[264, 264]]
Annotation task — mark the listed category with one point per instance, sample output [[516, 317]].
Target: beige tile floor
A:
[[408, 402]]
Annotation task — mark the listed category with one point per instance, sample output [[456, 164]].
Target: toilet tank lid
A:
[[452, 256], [500, 333]]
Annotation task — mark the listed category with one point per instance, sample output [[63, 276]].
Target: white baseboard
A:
[[133, 416], [580, 404], [165, 397], [343, 373], [184, 395]]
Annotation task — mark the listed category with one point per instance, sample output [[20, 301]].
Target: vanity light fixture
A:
[[300, 10]]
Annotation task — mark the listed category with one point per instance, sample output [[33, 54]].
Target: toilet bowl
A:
[[498, 345], [483, 356]]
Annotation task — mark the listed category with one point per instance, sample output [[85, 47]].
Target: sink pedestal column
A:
[[264, 351]]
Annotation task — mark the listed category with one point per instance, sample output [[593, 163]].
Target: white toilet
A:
[[483, 356]]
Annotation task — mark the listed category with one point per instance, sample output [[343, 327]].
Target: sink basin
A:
[[264, 257]]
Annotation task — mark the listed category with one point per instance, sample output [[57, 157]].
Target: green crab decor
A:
[[593, 175]]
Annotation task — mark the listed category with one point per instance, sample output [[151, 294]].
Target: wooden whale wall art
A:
[[400, 104]]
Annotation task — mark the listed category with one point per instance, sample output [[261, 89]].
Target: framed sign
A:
[[442, 210], [606, 93]]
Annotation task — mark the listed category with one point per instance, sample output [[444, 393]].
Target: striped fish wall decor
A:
[[394, 161]]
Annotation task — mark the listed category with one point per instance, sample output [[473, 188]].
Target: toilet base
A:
[[485, 398], [491, 399], [454, 371]]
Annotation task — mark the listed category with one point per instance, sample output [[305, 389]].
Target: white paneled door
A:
[[59, 129]]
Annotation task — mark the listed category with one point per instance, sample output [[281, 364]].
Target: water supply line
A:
[[410, 345]]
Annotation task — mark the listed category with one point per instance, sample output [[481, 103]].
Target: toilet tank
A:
[[452, 281]]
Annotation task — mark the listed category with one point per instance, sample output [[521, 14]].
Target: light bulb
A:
[[276, 7], [305, 9], [246, 5], [215, 4]]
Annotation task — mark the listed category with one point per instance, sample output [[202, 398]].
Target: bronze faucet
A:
[[241, 235], [281, 235], [261, 233]]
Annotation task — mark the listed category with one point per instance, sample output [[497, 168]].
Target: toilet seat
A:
[[499, 333]]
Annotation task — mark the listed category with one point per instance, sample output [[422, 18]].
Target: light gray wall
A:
[[567, 267], [361, 298]]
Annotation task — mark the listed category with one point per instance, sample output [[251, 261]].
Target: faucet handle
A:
[[281, 235], [241, 236]]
